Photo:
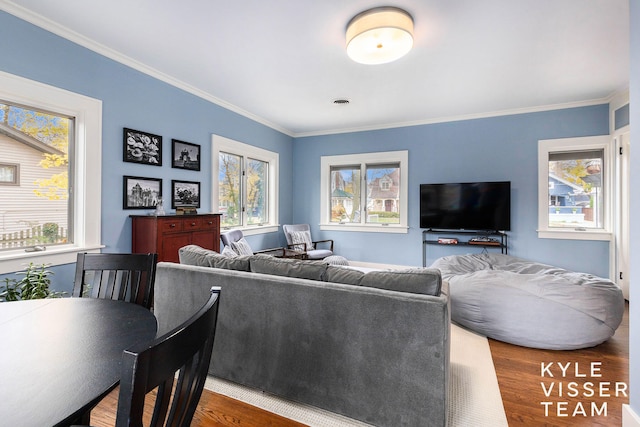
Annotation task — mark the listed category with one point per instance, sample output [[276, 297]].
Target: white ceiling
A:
[[283, 62]]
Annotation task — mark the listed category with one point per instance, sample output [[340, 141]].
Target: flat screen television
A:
[[482, 206]]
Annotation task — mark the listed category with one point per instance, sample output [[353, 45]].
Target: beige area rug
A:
[[474, 396]]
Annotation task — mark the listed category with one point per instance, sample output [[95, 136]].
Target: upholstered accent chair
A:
[[299, 238], [235, 243]]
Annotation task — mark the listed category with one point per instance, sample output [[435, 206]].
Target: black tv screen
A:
[[482, 206]]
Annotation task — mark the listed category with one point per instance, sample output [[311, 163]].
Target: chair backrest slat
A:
[[185, 350], [125, 277]]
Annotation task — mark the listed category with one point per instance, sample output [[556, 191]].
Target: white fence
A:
[[48, 233]]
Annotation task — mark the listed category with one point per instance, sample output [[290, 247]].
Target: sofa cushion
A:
[[242, 247], [194, 255], [414, 280], [344, 275], [265, 264], [238, 263]]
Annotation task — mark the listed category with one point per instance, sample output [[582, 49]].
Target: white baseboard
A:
[[629, 418]]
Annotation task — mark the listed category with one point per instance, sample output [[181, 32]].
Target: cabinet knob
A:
[[193, 224], [209, 222], [172, 226]]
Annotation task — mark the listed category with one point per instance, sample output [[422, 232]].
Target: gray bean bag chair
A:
[[531, 304]]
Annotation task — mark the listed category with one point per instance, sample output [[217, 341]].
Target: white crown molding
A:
[[90, 44], [66, 33], [474, 116]]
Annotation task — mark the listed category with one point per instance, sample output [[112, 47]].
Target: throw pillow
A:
[[241, 247], [336, 260], [228, 252], [299, 238]]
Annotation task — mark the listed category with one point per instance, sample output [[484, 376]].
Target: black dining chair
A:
[[185, 351], [125, 277]]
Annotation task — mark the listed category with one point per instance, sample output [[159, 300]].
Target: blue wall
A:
[[500, 148], [135, 100], [492, 149]]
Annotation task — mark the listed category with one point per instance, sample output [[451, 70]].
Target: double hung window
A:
[[365, 192], [244, 185]]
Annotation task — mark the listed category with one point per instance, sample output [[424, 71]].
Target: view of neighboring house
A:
[[565, 193], [23, 213], [570, 205], [383, 193]]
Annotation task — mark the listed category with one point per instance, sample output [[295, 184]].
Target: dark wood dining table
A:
[[59, 357]]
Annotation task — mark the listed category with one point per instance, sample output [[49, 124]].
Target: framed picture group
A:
[[142, 147], [185, 155], [146, 192], [141, 193]]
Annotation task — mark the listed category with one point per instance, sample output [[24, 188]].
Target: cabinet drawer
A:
[[169, 226], [209, 223], [189, 224]]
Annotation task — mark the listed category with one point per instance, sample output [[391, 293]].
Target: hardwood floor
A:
[[521, 383], [214, 410], [523, 387]]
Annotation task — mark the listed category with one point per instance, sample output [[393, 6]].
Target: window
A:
[[36, 212], [9, 174], [245, 186], [575, 188], [50, 138], [364, 192]]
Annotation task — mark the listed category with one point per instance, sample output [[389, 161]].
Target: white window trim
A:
[[220, 143], [326, 162], [88, 168], [545, 147]]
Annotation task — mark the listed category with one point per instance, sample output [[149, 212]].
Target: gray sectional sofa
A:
[[371, 346]]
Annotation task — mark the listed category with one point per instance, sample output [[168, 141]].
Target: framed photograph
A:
[[185, 194], [142, 147], [185, 155], [141, 193]]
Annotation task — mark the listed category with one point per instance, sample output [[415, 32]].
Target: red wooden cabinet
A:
[[166, 234]]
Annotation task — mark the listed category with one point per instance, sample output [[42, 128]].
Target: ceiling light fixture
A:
[[379, 35]]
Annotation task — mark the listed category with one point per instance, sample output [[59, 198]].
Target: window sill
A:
[[575, 235], [367, 228], [249, 231], [17, 260]]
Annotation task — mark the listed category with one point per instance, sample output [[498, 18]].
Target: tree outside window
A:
[[361, 192], [36, 209], [576, 189], [245, 183]]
